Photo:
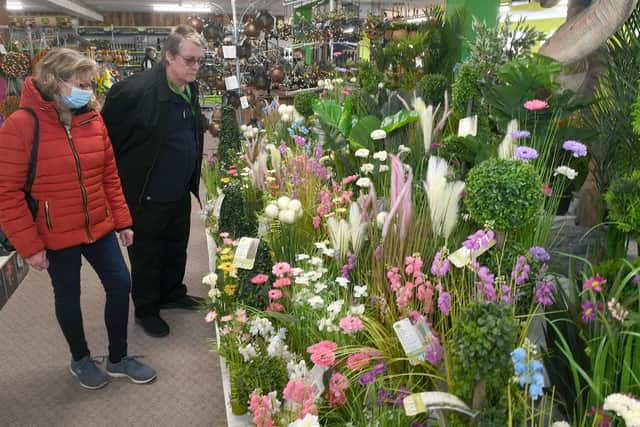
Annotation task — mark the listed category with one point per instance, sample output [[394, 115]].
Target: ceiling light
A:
[[14, 5], [173, 7]]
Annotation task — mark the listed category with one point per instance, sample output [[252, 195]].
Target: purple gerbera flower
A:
[[525, 153], [577, 148], [519, 134]]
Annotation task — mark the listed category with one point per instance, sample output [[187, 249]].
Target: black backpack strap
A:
[[31, 176]]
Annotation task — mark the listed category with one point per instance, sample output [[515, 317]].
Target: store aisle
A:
[[36, 388]]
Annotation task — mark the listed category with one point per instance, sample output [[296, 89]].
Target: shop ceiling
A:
[[93, 9]]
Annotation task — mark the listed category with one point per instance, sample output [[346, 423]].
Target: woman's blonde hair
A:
[[62, 64]]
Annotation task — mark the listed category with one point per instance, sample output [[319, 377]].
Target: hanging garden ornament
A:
[[276, 73], [251, 30], [196, 23], [260, 80], [265, 20], [233, 99], [213, 32], [244, 50]]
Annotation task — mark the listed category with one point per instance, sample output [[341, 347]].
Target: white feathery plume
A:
[[426, 122], [443, 197], [505, 150]]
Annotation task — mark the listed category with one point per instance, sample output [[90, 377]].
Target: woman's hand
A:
[[126, 237], [39, 261]]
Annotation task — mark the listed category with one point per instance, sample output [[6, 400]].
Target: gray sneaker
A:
[[129, 367], [88, 373]]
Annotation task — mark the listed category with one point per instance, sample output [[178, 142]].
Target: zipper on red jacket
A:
[[82, 189]]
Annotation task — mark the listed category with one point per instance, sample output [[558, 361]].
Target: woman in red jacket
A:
[[80, 206]]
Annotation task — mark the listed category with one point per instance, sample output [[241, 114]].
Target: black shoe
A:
[[153, 325], [186, 302]]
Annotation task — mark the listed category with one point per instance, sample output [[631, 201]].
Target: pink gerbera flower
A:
[[259, 279], [535, 105], [281, 268], [275, 294], [351, 324]]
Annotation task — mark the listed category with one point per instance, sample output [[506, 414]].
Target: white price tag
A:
[[231, 83], [419, 62], [468, 126], [263, 226], [415, 404], [464, 256], [413, 338], [245, 256], [3, 50], [229, 52], [244, 102]]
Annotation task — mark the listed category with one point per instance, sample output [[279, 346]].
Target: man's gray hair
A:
[[178, 36]]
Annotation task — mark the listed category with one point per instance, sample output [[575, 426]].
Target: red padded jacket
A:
[[77, 184]]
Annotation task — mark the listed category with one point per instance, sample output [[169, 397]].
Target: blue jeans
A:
[[64, 269]]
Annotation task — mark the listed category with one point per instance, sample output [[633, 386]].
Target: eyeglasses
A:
[[190, 61]]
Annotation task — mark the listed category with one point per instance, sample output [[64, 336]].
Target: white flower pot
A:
[[212, 251], [232, 419]]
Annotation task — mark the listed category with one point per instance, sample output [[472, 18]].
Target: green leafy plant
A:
[[234, 218], [504, 42], [591, 342], [623, 201], [229, 136], [465, 93], [505, 192], [432, 87], [249, 293], [369, 77], [303, 103], [482, 339]]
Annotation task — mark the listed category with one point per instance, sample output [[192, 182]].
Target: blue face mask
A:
[[78, 98]]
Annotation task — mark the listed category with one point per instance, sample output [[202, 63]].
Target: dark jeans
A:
[[159, 254], [64, 269]]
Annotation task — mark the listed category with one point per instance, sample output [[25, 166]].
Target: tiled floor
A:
[[36, 388]]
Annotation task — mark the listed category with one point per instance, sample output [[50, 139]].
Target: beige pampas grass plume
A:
[[443, 197]]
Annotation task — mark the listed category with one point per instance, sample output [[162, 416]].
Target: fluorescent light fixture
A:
[[174, 7], [14, 5]]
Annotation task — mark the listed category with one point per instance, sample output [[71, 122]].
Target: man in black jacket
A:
[[157, 132]]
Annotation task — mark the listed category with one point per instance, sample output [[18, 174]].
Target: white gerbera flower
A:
[[366, 169], [378, 134], [363, 182], [380, 155], [566, 171], [362, 153]]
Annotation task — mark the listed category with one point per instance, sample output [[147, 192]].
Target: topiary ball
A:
[[303, 103], [505, 192], [432, 87]]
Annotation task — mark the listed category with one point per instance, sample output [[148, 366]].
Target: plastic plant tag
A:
[[317, 373], [246, 252], [229, 52], [3, 50], [463, 256], [468, 126], [413, 338], [419, 62], [435, 400], [244, 103], [231, 83]]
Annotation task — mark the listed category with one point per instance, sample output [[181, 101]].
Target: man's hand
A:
[[126, 237], [39, 261]]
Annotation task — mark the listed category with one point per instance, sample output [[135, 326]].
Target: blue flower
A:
[[535, 366], [520, 368], [518, 355]]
